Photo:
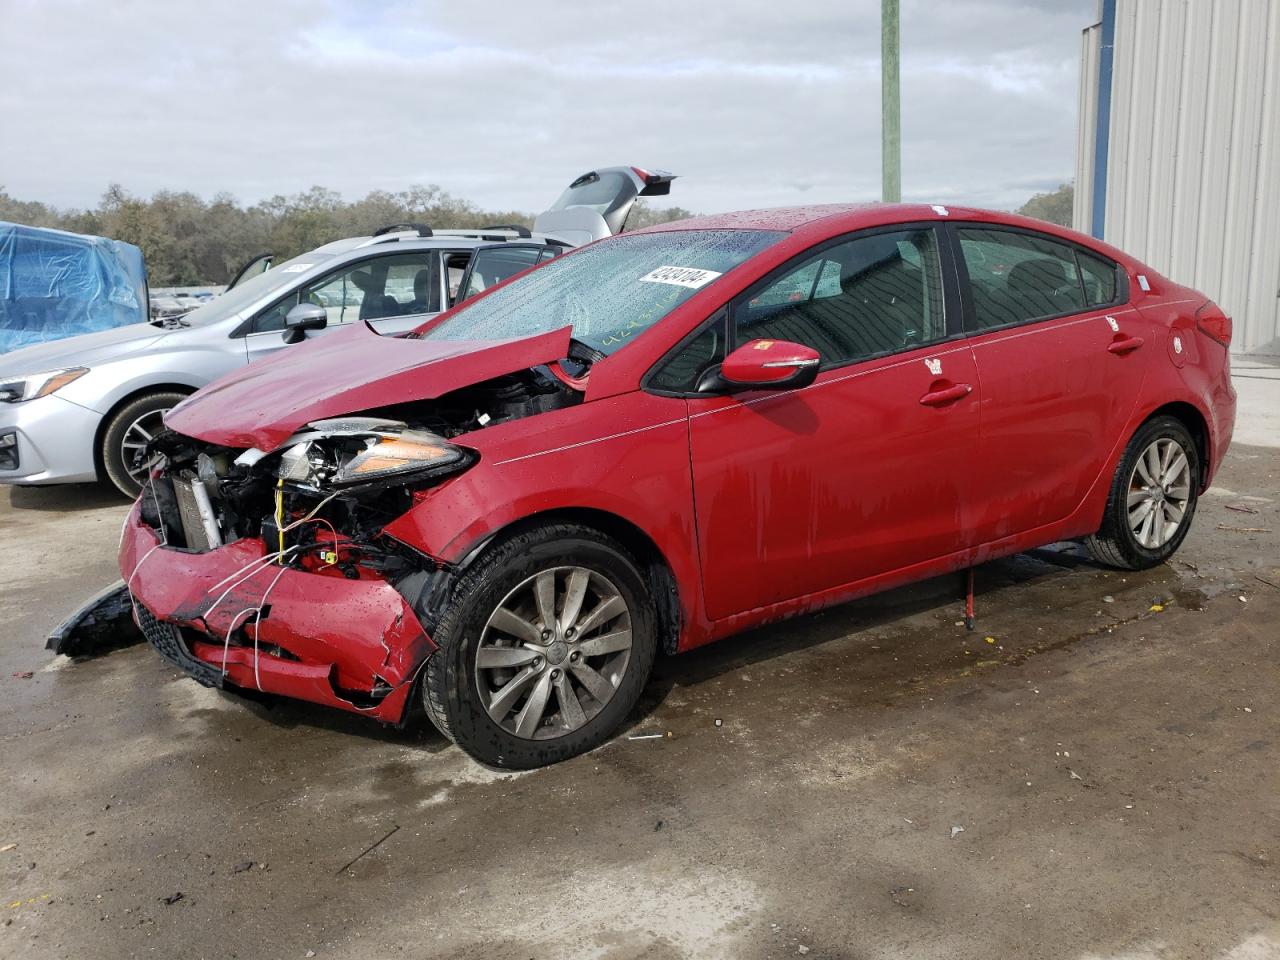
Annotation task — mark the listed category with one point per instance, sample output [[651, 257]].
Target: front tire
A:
[[128, 429], [544, 649], [1152, 499]]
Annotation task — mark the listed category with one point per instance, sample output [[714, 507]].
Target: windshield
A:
[[250, 291], [611, 292]]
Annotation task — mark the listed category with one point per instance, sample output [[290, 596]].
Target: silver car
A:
[[84, 408]]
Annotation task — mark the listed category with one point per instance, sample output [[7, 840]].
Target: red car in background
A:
[[662, 439]]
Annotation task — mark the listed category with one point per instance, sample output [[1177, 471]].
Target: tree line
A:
[[189, 241]]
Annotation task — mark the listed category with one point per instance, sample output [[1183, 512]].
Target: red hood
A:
[[345, 372]]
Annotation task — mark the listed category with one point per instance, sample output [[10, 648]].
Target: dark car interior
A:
[[882, 304]]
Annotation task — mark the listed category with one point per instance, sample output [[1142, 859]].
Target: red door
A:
[[860, 473], [845, 479], [1056, 392]]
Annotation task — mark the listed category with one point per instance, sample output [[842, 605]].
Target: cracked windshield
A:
[[610, 292]]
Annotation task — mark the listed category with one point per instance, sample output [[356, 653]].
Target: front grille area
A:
[[167, 639]]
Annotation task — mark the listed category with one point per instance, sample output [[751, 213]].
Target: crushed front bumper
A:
[[352, 644]]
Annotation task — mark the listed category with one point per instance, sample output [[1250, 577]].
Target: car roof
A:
[[837, 218], [440, 239]]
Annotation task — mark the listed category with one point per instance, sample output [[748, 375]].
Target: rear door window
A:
[[1015, 277], [1100, 279], [491, 265]]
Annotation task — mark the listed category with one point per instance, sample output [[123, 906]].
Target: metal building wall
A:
[[1193, 180]]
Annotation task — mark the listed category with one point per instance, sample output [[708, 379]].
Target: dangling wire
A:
[[280, 517]]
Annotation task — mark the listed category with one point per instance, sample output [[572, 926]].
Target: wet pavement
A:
[[1094, 772]]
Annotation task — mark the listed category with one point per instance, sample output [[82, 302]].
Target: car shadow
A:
[[945, 595], [758, 646], [66, 497]]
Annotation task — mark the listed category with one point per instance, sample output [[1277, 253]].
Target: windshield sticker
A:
[[690, 277], [297, 268]]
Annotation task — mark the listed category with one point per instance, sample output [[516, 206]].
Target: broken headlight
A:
[[345, 453]]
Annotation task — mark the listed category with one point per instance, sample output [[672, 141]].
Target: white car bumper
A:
[[54, 441]]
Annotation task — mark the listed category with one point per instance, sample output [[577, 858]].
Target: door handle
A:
[[940, 398], [1124, 345]]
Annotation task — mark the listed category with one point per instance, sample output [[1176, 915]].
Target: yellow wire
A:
[[280, 517]]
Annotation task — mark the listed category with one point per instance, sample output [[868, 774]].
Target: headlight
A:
[[344, 458], [15, 389]]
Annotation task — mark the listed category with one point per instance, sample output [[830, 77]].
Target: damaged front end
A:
[[270, 570]]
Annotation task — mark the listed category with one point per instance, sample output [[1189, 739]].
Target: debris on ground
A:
[[1269, 583], [1231, 529], [646, 736], [1241, 508], [802, 949], [171, 899], [1157, 608], [242, 867], [103, 623], [23, 674], [956, 830], [367, 850], [7, 847], [1108, 599]]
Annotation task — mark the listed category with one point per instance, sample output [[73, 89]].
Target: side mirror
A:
[[304, 317], [770, 365]]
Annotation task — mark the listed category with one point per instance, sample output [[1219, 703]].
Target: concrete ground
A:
[[1094, 773]]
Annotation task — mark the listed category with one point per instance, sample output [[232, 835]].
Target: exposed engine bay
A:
[[319, 501]]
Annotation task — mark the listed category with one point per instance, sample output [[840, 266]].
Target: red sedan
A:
[[663, 439]]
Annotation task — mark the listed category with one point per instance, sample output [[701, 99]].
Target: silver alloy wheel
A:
[[1159, 491], [133, 444], [553, 653]]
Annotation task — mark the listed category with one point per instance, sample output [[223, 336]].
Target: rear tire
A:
[[1152, 499], [121, 458], [516, 620]]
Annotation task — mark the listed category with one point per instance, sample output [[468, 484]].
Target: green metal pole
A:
[[890, 104]]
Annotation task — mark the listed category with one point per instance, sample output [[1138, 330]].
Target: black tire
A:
[[112, 452], [451, 694], [1115, 544]]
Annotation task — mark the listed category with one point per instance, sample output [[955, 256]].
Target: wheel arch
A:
[[1190, 417], [104, 422], [653, 562]]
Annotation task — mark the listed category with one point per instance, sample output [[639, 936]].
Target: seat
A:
[[1040, 288], [421, 292], [375, 303], [880, 308]]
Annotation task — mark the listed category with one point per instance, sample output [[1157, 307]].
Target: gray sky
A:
[[752, 102]]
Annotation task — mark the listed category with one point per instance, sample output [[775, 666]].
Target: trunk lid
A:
[[596, 204]]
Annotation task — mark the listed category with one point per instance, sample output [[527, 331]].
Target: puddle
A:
[[1189, 598]]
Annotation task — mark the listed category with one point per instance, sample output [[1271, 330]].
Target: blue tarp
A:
[[55, 284]]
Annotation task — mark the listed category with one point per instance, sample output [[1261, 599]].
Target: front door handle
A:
[[940, 398], [1124, 345]]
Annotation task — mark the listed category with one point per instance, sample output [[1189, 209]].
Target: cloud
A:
[[754, 103]]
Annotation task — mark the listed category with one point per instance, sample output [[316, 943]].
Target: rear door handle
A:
[[1125, 345], [940, 398]]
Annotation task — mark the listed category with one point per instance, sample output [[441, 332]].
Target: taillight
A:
[[1214, 323]]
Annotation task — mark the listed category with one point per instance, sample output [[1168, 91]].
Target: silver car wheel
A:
[[553, 653], [1159, 491], [133, 444]]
